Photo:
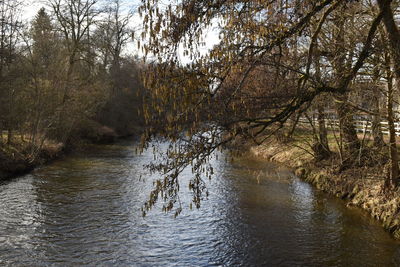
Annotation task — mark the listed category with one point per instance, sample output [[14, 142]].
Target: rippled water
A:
[[85, 210]]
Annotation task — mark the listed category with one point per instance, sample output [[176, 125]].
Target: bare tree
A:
[[75, 18], [112, 35], [10, 24]]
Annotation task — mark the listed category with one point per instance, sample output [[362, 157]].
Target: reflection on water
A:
[[85, 210]]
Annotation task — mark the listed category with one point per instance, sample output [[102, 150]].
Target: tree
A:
[[75, 19], [43, 64], [393, 34], [53, 85], [112, 35], [9, 37], [215, 89]]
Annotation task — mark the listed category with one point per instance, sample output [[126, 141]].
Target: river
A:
[[85, 210]]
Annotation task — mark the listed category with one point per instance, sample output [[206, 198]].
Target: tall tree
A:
[[43, 57], [112, 35], [255, 37], [10, 25], [75, 19], [393, 34]]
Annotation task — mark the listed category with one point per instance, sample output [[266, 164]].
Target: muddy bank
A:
[[359, 187]]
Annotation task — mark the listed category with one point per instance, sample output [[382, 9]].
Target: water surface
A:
[[85, 210]]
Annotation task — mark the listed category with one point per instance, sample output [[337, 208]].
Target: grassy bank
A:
[[358, 186]]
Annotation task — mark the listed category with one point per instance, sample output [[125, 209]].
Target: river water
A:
[[85, 210]]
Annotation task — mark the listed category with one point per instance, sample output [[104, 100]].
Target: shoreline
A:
[[18, 163], [11, 168], [359, 187]]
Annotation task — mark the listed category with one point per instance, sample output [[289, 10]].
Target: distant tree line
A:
[[65, 71]]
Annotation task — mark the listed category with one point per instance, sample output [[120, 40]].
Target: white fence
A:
[[366, 127], [361, 126]]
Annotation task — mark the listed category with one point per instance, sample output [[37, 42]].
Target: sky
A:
[[31, 7]]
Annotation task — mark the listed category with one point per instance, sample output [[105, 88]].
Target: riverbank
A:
[[358, 186], [20, 157]]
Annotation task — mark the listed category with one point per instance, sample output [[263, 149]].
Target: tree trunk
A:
[[392, 179], [10, 119], [376, 130], [351, 143], [9, 136], [393, 35], [321, 147], [376, 119], [323, 133]]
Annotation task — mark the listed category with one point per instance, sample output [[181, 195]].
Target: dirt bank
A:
[[361, 186], [18, 159]]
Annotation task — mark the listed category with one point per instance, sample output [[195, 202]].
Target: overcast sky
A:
[[32, 7]]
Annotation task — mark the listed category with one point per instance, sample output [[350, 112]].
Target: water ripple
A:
[[85, 210]]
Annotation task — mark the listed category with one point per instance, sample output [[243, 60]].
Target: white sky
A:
[[31, 7]]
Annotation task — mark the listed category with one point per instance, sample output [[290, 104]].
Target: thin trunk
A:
[[393, 35], [392, 179], [323, 133], [63, 117], [321, 146], [351, 144], [9, 136], [68, 80], [376, 119], [376, 130], [293, 126], [10, 114]]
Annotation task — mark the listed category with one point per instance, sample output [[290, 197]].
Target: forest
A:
[[64, 78]]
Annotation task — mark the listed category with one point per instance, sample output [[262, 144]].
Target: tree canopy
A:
[[64, 77], [273, 62]]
